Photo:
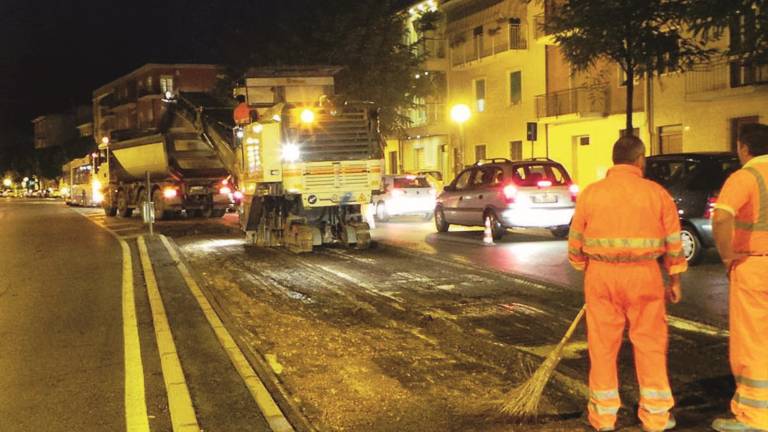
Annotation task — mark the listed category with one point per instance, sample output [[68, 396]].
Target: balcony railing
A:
[[498, 43], [431, 48], [582, 101], [722, 76]]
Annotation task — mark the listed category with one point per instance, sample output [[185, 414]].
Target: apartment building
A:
[[134, 101], [53, 130], [503, 65]]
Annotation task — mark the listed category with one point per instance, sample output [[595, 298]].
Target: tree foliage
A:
[[711, 19], [366, 37], [643, 37]]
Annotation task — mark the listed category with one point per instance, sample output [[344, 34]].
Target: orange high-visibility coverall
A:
[[622, 225], [745, 195], [242, 114]]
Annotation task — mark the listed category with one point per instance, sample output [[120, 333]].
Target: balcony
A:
[[495, 44], [431, 48], [723, 78], [581, 102]]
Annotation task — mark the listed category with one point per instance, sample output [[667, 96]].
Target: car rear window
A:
[[692, 174], [531, 175], [411, 182]]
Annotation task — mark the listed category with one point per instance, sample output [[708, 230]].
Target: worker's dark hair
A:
[[627, 149], [240, 98], [755, 137]]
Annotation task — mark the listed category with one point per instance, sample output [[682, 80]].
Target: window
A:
[[744, 74], [477, 42], [479, 152], [515, 87], [463, 180], [149, 83], [532, 174], [166, 84], [515, 150], [411, 182], [583, 140], [480, 95], [492, 176], [477, 177], [671, 139], [516, 36]]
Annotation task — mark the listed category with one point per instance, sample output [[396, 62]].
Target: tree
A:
[[643, 37], [366, 37], [747, 21]]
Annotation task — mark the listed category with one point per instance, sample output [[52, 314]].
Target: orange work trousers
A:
[[749, 341], [615, 294]]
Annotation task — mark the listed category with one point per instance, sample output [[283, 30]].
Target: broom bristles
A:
[[523, 401]]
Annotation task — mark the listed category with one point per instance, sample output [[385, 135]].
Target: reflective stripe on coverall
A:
[[621, 226], [745, 195]]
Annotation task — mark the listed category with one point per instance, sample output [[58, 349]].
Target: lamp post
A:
[[460, 113]]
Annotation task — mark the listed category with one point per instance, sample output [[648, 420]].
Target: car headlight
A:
[[291, 152]]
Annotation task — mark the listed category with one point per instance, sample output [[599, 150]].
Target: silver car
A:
[[403, 195], [533, 193]]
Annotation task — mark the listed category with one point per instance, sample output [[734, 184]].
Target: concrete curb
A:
[[291, 411]]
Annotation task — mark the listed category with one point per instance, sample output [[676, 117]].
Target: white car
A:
[[404, 195]]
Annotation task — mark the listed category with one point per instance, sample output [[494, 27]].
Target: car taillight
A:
[[238, 195], [170, 192], [225, 190], [544, 184], [510, 193], [574, 189], [711, 201], [397, 193]]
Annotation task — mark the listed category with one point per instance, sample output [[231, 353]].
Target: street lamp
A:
[[7, 182], [460, 113]]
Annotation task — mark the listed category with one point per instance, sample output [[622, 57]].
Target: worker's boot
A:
[[733, 425], [671, 423]]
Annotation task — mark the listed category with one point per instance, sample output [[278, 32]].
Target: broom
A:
[[522, 402]]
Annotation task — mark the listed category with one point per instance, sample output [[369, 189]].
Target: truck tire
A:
[[109, 210]]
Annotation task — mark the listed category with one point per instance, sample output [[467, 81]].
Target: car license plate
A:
[[544, 199], [197, 189]]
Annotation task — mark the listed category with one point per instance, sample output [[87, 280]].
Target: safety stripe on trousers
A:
[[762, 219], [760, 384], [602, 395], [625, 243], [601, 410], [655, 394], [753, 403], [653, 410]]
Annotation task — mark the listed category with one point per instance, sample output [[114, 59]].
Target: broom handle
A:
[[574, 324]]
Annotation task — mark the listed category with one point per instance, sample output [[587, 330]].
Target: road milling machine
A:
[[306, 167]]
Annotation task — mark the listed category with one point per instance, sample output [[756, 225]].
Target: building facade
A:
[[503, 65], [134, 101], [53, 130]]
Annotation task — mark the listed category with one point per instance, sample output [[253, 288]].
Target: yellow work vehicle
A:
[[308, 167]]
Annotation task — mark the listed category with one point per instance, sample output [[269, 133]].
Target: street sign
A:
[[532, 131]]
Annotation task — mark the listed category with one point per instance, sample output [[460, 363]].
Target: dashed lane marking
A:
[[272, 413], [136, 419], [182, 411]]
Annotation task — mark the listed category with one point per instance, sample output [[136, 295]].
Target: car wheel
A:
[[440, 223], [692, 247], [381, 212], [560, 232], [497, 230]]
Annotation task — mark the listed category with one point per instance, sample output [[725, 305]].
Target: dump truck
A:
[[307, 167], [172, 167]]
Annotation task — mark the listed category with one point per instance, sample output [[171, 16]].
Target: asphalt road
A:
[[61, 356], [538, 255], [68, 359]]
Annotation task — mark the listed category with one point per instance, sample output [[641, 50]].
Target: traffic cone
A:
[[487, 233]]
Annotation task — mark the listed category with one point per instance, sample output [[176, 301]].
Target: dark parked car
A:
[[694, 181]]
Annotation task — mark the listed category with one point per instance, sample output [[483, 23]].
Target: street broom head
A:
[[522, 402]]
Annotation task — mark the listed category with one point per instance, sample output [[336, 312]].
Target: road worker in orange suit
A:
[[623, 224], [740, 228], [242, 112]]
